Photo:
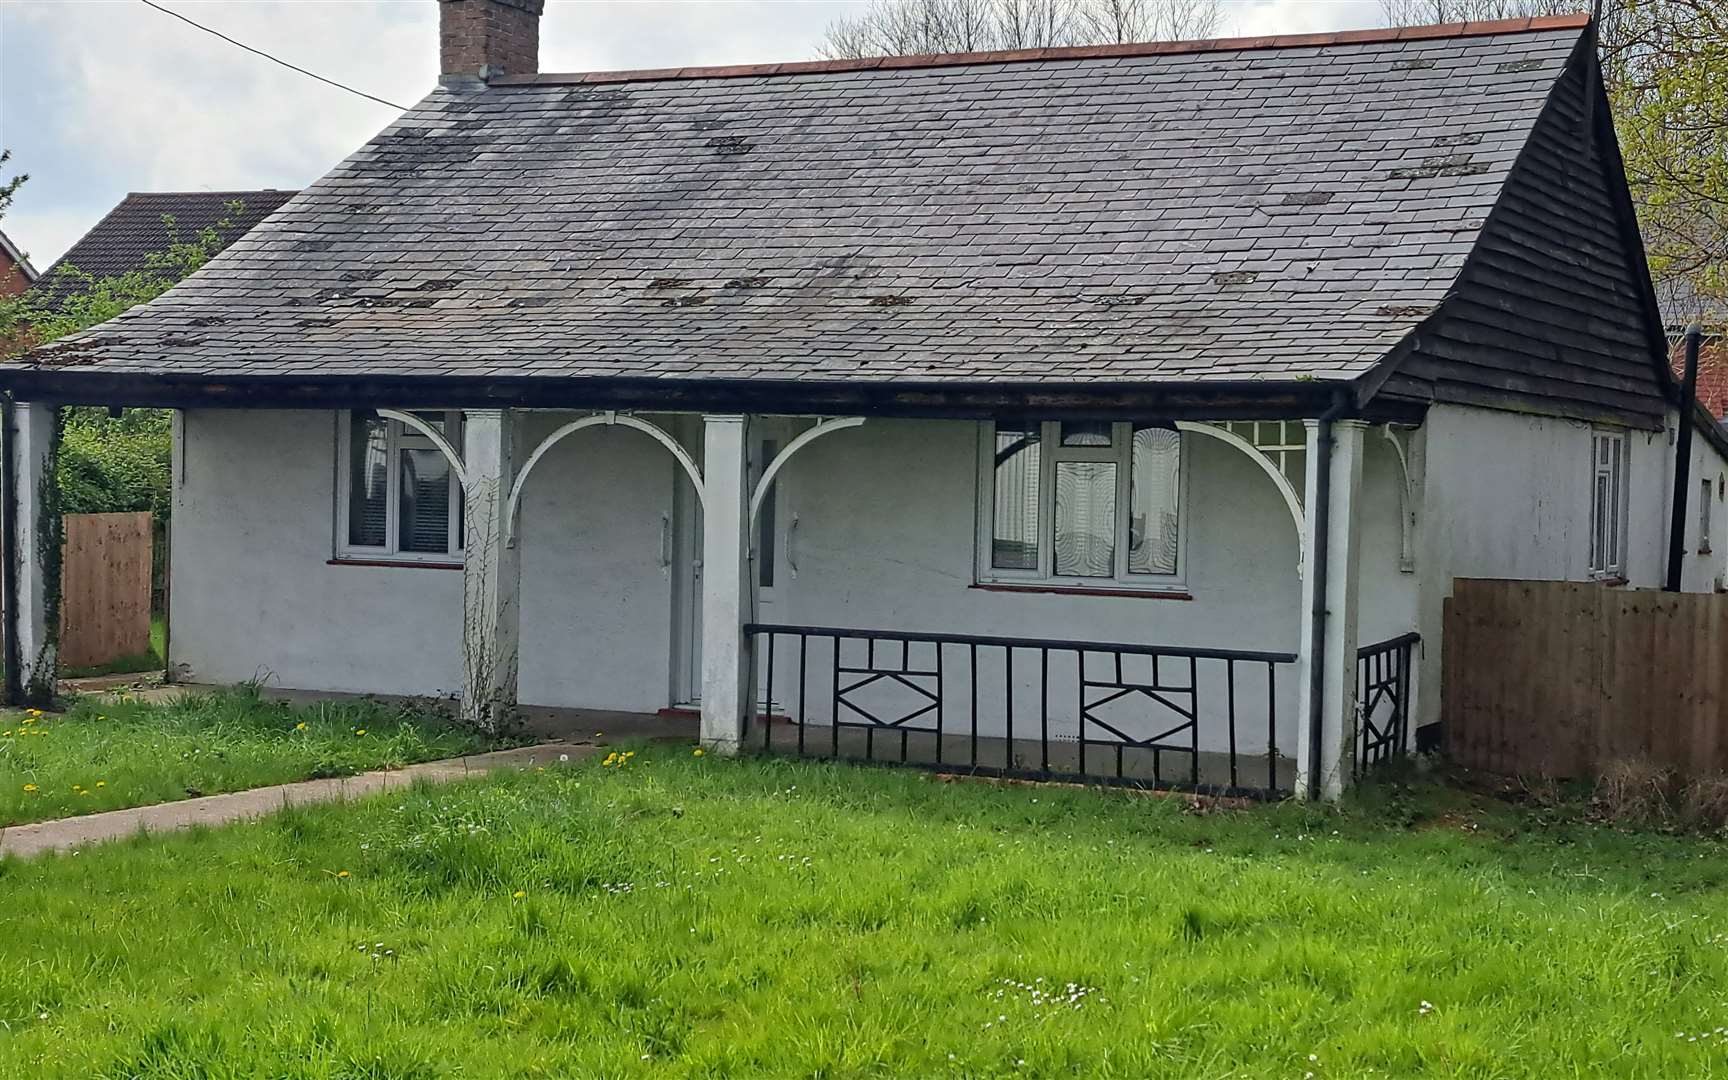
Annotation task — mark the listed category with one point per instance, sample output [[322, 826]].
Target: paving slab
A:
[[66, 834]]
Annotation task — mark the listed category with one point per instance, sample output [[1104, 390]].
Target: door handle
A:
[[665, 541]]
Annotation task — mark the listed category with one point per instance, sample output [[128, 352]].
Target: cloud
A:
[[102, 97]]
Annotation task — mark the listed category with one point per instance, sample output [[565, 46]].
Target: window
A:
[[1080, 503], [765, 519], [1608, 504], [397, 497], [1705, 501]]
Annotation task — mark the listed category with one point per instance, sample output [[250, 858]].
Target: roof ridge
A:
[[224, 191], [1379, 35]]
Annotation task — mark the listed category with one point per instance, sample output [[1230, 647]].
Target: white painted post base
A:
[[491, 574], [1337, 650], [38, 641], [725, 582]]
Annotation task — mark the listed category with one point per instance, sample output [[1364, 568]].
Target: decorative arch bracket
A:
[[409, 420], [1292, 499], [1406, 503], [606, 419], [805, 438]]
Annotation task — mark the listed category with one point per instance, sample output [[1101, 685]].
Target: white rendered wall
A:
[[886, 541], [254, 594], [1507, 495]]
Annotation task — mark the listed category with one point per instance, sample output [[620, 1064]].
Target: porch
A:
[[1109, 600]]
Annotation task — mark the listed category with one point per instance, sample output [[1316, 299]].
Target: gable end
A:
[[1553, 311]]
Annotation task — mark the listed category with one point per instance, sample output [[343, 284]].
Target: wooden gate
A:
[[105, 588], [1557, 678]]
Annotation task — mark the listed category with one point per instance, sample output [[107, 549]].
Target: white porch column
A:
[[491, 576], [38, 640], [725, 582], [1335, 652]]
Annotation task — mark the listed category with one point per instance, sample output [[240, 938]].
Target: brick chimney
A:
[[483, 38]]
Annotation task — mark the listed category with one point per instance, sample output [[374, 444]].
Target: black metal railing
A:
[[1142, 715], [1383, 675]]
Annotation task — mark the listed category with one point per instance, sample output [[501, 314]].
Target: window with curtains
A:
[[397, 498], [1080, 503]]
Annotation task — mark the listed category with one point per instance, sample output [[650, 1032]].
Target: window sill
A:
[[1082, 590], [1612, 581], [395, 564]]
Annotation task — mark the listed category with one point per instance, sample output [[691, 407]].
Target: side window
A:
[[1080, 503], [1608, 504], [1706, 510], [397, 496]]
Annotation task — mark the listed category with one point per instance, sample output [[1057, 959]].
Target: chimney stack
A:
[[480, 39]]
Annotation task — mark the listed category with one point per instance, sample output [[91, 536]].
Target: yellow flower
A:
[[359, 731], [599, 734], [6, 734], [517, 895], [101, 783], [341, 873], [32, 712], [301, 726], [29, 789], [29, 720], [696, 752]]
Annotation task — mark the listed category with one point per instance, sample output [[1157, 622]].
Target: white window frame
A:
[[1120, 454], [1706, 514], [1608, 507], [390, 550]]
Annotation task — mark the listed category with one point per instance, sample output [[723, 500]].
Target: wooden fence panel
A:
[[1556, 678], [105, 588]]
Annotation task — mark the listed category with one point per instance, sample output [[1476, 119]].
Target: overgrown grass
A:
[[684, 916], [108, 754]]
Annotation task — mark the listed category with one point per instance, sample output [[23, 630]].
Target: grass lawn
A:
[[684, 916], [104, 755]]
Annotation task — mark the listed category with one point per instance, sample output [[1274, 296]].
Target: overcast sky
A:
[[102, 97]]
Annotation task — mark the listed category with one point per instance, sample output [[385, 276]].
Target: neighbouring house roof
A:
[[1683, 305], [16, 257], [1257, 211], [135, 230]]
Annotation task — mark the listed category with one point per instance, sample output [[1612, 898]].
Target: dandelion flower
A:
[[29, 789], [518, 894], [342, 873], [101, 783], [696, 752], [301, 726], [7, 734], [359, 731]]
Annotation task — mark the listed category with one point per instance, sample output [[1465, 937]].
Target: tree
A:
[[1665, 68], [1422, 12], [9, 188], [109, 464], [901, 27]]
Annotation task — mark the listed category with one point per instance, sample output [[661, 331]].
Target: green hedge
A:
[[109, 465]]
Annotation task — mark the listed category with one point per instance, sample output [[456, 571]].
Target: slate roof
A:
[[1274, 209], [134, 229]]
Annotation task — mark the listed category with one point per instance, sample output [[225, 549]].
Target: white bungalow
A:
[[1117, 412]]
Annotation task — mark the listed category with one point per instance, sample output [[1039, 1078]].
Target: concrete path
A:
[[77, 832]]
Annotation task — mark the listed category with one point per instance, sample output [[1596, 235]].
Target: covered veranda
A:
[[1149, 709]]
